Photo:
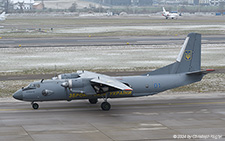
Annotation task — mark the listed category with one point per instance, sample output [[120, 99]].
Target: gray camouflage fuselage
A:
[[141, 85], [90, 85]]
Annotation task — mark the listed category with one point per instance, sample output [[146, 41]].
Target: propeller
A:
[[66, 86]]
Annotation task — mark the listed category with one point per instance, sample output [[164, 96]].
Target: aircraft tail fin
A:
[[188, 60], [164, 10], [2, 16]]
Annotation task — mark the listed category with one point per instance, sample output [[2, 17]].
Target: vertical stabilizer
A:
[[188, 60], [2, 16], [164, 10]]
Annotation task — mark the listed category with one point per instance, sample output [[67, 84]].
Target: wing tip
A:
[[128, 89]]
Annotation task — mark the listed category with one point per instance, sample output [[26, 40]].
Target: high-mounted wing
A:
[[111, 83], [105, 80]]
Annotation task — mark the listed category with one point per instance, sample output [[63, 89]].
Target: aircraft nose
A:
[[18, 95]]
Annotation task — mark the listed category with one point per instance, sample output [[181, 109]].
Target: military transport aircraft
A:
[[93, 86]]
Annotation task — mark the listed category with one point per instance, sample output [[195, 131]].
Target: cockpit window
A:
[[31, 86], [38, 85]]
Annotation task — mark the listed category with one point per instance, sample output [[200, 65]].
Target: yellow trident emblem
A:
[[188, 55]]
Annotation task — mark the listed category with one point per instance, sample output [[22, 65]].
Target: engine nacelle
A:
[[73, 83], [79, 85]]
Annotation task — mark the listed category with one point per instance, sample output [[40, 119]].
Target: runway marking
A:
[[14, 109], [146, 124], [146, 114], [48, 108], [80, 132], [64, 132], [171, 104], [128, 105], [205, 111], [188, 112], [147, 129]]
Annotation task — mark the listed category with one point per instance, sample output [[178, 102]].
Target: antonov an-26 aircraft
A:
[[92, 86]]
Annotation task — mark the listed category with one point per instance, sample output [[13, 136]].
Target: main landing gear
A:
[[105, 105], [35, 105]]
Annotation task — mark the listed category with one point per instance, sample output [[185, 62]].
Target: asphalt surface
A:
[[159, 117], [96, 41]]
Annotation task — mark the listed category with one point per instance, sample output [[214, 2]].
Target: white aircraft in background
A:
[[2, 16], [169, 15]]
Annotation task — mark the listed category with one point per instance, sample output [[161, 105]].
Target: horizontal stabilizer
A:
[[200, 72]]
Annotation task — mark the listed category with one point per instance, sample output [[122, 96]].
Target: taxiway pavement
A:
[[161, 117], [102, 41]]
